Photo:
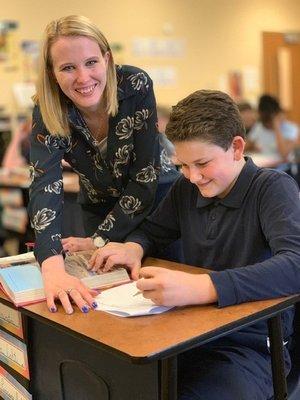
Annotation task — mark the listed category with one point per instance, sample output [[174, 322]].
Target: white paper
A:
[[121, 301]]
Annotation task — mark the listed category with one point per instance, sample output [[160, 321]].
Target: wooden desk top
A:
[[143, 339], [19, 178]]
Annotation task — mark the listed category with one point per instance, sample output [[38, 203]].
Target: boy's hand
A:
[[112, 254], [176, 288]]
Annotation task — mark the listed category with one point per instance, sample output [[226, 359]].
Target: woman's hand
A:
[[64, 287], [71, 244], [112, 254], [176, 288]]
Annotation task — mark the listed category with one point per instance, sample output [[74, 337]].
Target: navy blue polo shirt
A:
[[250, 239]]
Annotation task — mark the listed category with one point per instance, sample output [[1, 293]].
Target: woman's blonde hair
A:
[[49, 97]]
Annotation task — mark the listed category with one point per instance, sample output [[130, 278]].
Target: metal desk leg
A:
[[168, 374], [276, 348]]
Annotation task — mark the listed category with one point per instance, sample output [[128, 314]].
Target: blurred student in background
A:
[[17, 152], [273, 134], [249, 118], [248, 114], [169, 171], [16, 155]]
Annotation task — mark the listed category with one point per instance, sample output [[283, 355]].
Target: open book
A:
[[126, 301], [19, 259], [77, 265], [24, 284]]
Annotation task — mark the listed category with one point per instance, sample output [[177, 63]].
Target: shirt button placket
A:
[[212, 228]]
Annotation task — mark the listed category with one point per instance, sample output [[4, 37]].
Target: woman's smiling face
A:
[[80, 70]]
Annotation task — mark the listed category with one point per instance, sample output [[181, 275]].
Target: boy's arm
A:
[[176, 288], [279, 213], [162, 227]]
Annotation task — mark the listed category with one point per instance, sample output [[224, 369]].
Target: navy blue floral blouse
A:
[[127, 175]]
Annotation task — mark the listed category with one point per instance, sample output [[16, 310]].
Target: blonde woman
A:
[[101, 119]]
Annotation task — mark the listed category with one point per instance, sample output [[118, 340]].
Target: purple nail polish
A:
[[94, 305], [53, 309], [85, 309]]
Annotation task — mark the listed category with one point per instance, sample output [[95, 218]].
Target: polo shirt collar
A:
[[236, 196]]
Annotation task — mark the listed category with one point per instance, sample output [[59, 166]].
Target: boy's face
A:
[[212, 169]]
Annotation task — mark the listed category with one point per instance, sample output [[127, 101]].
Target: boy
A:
[[240, 221]]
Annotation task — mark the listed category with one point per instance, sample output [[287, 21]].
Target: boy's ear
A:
[[238, 145]]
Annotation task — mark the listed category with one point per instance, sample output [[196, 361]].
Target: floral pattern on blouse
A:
[[147, 174], [108, 223], [56, 236], [130, 204], [125, 128], [128, 171], [122, 158], [139, 81], [140, 119], [42, 219], [54, 187], [34, 171]]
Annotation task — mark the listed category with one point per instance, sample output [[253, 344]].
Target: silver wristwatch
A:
[[99, 241]]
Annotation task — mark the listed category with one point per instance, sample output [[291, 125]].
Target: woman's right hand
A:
[[60, 285]]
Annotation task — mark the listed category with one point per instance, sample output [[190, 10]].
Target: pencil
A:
[[137, 293]]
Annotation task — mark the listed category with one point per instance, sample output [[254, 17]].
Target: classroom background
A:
[[184, 45]]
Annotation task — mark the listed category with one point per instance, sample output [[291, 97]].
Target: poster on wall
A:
[[235, 85], [117, 49], [158, 47], [162, 75], [30, 54], [7, 40]]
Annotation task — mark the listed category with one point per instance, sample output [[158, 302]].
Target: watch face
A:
[[99, 241]]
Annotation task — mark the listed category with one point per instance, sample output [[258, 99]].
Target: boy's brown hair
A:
[[207, 115]]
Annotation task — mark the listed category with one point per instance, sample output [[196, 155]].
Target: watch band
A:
[[99, 241]]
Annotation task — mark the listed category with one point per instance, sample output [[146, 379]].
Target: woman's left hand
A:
[[72, 244]]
